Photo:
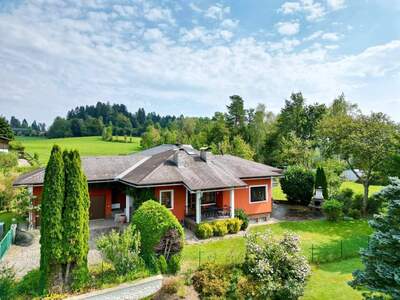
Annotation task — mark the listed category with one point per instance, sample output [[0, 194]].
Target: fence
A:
[[5, 243], [315, 253]]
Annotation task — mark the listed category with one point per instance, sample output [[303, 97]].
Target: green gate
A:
[[5, 243]]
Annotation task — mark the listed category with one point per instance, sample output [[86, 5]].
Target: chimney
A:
[[204, 153], [178, 159]]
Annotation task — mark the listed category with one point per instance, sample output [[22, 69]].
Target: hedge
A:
[[218, 228]]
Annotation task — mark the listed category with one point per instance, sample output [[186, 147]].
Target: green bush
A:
[[162, 264], [219, 228], [320, 181], [154, 221], [122, 250], [174, 264], [298, 184], [29, 285], [7, 283], [354, 213], [346, 197], [204, 231], [233, 225], [241, 215], [333, 209], [8, 161], [212, 280]]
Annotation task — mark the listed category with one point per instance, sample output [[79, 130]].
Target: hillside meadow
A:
[[90, 145]]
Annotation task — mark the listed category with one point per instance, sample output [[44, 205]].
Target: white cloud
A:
[[229, 23], [217, 11], [336, 4], [314, 36], [157, 14], [331, 36], [53, 64], [195, 8], [288, 28], [313, 10]]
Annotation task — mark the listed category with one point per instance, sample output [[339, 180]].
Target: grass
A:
[[318, 236], [278, 194], [327, 281], [91, 145]]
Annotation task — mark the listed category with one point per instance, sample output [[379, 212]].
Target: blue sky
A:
[[188, 57]]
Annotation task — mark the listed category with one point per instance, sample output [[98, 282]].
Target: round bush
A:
[[233, 225], [162, 264], [298, 185], [333, 209], [153, 221], [219, 228], [241, 215], [204, 231]]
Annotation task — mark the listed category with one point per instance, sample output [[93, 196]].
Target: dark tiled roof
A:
[[157, 166]]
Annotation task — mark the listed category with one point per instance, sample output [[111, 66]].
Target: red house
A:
[[195, 185]]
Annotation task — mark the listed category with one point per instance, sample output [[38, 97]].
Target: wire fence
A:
[[315, 253]]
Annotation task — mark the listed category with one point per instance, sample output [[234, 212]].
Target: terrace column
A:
[[198, 207], [128, 202], [232, 204]]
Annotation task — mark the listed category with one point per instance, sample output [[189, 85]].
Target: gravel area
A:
[[24, 259]]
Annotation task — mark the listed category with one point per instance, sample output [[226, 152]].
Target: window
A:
[[258, 193], [209, 198], [167, 198]]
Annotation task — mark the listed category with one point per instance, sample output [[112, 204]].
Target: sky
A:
[[187, 57]]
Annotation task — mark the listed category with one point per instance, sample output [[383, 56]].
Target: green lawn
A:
[[327, 279], [91, 145], [277, 193]]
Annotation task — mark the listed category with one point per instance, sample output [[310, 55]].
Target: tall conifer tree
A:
[[52, 203]]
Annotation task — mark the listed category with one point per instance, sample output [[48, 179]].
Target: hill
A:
[[90, 145]]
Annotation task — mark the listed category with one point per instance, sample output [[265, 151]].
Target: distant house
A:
[[4, 144], [351, 175], [194, 185]]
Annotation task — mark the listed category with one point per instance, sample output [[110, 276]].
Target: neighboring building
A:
[[195, 185], [350, 175], [4, 144]]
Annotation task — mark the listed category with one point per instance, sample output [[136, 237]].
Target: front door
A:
[[97, 207]]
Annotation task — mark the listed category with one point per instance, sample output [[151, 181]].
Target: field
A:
[[327, 279], [91, 145], [277, 193]]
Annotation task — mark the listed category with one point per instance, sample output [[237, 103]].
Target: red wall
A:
[[179, 199], [242, 198]]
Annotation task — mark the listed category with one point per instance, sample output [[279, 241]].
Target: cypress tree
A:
[[76, 221], [51, 221], [320, 181]]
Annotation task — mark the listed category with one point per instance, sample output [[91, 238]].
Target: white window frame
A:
[[266, 193], [172, 198]]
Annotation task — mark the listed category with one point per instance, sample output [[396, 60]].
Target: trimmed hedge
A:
[[218, 228], [241, 215], [153, 220]]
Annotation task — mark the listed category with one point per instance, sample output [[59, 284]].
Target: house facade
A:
[[195, 185], [4, 144]]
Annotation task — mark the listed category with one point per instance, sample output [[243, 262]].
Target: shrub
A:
[[7, 283], [298, 184], [29, 285], [171, 286], [241, 215], [122, 249], [346, 197], [8, 161], [233, 225], [16, 146], [219, 228], [212, 280], [276, 266], [154, 221], [354, 213], [333, 210], [204, 231], [174, 264], [162, 264]]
